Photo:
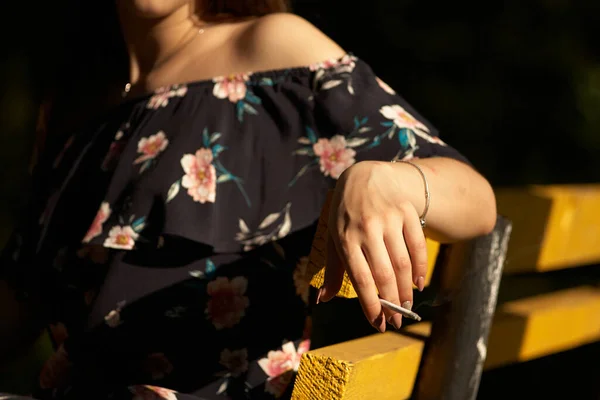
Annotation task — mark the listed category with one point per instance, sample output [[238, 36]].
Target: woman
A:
[[171, 233]]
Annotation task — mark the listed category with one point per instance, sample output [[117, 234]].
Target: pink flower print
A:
[[159, 99], [96, 227], [287, 359], [55, 371], [235, 361], [147, 392], [157, 365], [401, 118], [227, 304], [385, 86], [322, 64], [121, 237], [279, 366], [344, 64], [334, 156], [232, 87], [200, 177], [151, 146], [162, 95], [280, 361]]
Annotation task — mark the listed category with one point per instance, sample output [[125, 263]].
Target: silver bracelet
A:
[[427, 193]]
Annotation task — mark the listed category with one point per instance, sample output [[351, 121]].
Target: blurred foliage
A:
[[514, 85]]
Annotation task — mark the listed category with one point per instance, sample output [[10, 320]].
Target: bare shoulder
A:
[[285, 40]]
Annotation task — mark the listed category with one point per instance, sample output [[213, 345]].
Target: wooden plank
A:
[[318, 257], [542, 325], [554, 226], [381, 366], [387, 364]]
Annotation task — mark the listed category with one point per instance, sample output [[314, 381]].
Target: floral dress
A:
[[168, 240]]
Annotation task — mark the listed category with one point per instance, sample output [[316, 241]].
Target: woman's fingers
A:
[[384, 275], [414, 238], [334, 273], [362, 279], [383, 254], [400, 258]]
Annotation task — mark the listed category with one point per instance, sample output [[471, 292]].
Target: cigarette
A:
[[405, 312]]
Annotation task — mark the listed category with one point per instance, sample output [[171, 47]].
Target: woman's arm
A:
[[374, 228], [375, 232], [462, 204]]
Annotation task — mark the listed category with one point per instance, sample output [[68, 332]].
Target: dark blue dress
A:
[[168, 241]]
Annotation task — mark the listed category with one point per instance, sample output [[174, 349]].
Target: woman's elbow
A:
[[487, 211]]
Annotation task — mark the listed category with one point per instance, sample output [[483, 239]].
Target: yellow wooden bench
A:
[[553, 227]]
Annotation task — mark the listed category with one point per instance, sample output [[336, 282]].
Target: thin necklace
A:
[[201, 30]]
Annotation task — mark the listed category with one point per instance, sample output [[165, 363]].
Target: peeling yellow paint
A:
[[381, 366]]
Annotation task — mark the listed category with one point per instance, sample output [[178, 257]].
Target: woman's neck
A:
[[153, 41]]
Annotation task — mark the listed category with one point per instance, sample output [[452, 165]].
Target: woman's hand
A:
[[376, 236]]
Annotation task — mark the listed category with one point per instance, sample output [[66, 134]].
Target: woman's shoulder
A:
[[284, 40]]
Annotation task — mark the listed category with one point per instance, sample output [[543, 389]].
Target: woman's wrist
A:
[[411, 184], [426, 191]]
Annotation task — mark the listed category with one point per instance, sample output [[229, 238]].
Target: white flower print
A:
[[275, 226], [113, 318], [332, 73], [121, 238], [385, 86], [403, 119]]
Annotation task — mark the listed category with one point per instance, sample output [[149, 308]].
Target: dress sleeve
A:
[[367, 120]]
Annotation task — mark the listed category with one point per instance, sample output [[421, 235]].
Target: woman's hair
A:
[[84, 61]]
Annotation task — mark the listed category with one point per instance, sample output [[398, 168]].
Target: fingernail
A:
[[319, 295], [396, 321], [379, 324], [407, 305], [420, 283]]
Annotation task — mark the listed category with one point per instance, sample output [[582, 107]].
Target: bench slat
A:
[[386, 364], [554, 227]]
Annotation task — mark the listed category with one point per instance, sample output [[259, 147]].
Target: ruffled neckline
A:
[[250, 77]]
